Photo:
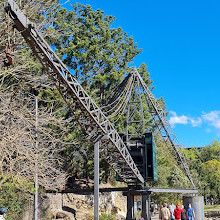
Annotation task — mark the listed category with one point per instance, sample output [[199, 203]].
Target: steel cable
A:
[[123, 106], [118, 98]]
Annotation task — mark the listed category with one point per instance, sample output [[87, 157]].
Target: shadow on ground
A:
[[68, 209]]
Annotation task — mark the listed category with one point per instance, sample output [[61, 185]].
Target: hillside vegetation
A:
[[205, 166]]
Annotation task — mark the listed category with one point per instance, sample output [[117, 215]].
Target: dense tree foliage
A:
[[170, 175], [98, 53], [14, 194], [205, 166]]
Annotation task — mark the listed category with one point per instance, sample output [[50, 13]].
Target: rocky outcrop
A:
[[77, 207]]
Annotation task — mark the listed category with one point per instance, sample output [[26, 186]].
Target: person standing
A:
[[152, 209], [190, 213], [183, 214], [171, 212], [177, 212], [164, 213], [3, 212], [173, 206]]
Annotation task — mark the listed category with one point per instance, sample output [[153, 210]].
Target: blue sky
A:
[[181, 47]]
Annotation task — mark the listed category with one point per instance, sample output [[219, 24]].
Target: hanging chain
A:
[[9, 60], [8, 29]]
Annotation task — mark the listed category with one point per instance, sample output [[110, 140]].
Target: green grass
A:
[[212, 207]]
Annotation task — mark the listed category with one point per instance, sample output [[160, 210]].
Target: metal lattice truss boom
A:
[[84, 109], [164, 126], [135, 113]]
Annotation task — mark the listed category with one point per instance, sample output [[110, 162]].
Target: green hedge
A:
[[15, 194]]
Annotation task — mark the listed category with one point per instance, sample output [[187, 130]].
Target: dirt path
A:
[[156, 217]]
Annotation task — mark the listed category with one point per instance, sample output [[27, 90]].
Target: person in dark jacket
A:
[[183, 214]]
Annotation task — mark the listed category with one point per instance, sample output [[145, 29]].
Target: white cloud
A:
[[178, 119], [210, 120], [183, 119], [213, 118], [196, 123]]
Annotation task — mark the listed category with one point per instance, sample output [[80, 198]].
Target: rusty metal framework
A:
[[92, 120]]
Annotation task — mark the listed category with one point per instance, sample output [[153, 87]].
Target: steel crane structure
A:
[[133, 90], [91, 118]]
